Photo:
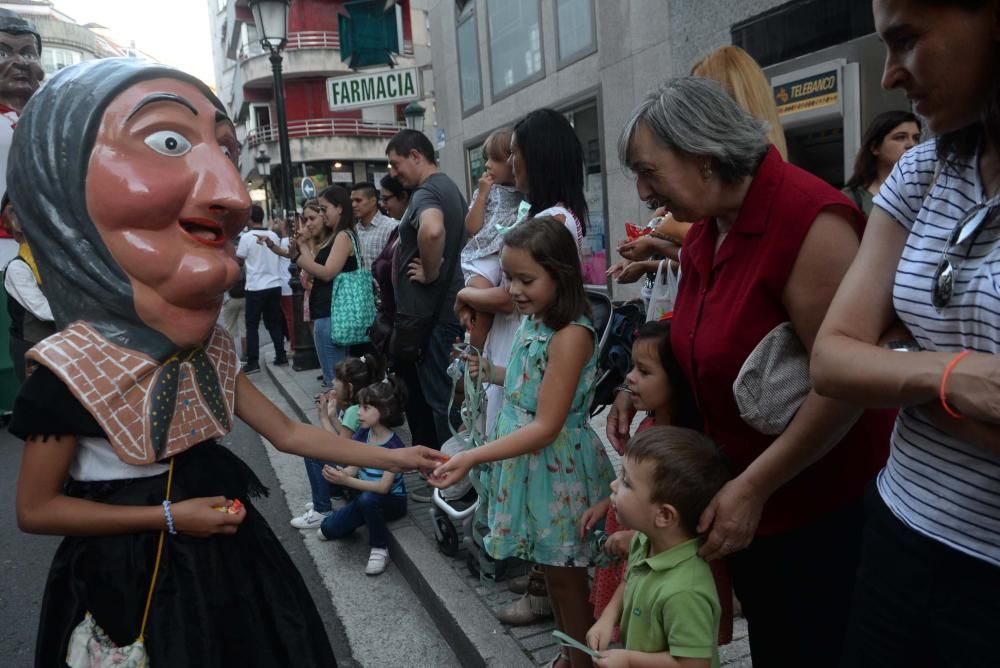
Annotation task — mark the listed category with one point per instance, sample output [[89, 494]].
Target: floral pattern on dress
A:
[[533, 503]]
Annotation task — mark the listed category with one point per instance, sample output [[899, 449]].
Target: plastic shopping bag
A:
[[664, 292]]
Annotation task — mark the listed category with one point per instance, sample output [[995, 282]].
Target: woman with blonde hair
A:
[[746, 83]]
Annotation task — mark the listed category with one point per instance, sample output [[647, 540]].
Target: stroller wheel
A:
[[447, 536]]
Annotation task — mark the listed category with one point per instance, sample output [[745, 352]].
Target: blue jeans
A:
[[433, 377], [328, 353], [369, 508], [322, 490]]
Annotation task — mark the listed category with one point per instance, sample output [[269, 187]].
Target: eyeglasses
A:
[[968, 228], [385, 198]]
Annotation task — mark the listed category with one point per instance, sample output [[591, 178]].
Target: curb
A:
[[472, 631]]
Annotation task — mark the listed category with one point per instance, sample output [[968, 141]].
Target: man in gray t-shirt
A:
[[431, 237]]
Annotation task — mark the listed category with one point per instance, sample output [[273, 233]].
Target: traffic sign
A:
[[308, 188]]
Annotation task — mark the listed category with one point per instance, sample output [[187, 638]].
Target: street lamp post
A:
[[271, 17], [263, 161]]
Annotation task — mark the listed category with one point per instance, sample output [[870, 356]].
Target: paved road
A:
[[24, 559]]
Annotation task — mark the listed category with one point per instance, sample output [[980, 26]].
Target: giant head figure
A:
[[128, 193], [20, 54]]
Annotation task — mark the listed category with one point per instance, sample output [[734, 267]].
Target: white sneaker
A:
[[377, 561], [309, 519]]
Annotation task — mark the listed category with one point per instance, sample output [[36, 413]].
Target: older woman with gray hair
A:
[[770, 244]]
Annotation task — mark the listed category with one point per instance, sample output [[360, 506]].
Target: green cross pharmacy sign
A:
[[372, 89]]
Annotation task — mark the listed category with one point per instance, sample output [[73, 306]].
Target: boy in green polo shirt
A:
[[668, 607]]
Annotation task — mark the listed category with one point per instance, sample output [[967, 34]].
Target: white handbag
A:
[[664, 292], [773, 381]]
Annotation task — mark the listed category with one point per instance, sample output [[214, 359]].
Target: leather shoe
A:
[[525, 610]]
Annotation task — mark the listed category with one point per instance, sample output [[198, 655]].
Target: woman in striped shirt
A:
[[928, 589]]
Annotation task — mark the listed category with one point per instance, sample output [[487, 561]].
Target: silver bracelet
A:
[[169, 517]]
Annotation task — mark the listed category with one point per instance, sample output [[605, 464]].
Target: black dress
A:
[[221, 601]]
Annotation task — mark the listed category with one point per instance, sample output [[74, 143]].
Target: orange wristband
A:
[[944, 380]]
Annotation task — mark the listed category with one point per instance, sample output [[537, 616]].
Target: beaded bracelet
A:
[[944, 379], [169, 517]]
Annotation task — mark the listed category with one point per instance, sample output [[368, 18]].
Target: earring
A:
[[706, 171]]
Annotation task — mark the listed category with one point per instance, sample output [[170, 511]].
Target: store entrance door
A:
[[820, 110]]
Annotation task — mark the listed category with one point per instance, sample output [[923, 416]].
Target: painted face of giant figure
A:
[[166, 197], [20, 60], [147, 255]]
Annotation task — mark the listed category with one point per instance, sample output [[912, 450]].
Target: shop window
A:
[[584, 120], [468, 61], [515, 39], [576, 30], [54, 59]]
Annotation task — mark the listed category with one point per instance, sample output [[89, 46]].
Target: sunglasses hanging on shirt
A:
[[966, 230]]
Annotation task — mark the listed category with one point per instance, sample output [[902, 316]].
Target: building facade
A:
[[339, 118], [594, 60], [64, 41]]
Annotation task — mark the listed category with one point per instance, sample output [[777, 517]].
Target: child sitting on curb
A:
[[381, 495], [668, 607], [338, 412]]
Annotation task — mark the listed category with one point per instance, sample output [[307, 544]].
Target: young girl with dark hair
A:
[[544, 465], [380, 495], [337, 410]]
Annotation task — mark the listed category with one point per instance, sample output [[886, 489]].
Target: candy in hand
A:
[[233, 508]]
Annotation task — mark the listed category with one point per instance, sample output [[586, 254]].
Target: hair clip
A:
[[364, 360]]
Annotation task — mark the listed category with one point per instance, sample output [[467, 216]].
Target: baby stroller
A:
[[616, 352], [457, 504]]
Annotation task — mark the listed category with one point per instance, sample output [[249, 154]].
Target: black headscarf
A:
[[46, 178]]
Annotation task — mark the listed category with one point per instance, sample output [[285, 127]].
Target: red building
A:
[[339, 118]]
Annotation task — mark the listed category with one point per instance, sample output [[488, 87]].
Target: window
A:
[[468, 62], [515, 31], [576, 34], [594, 256], [54, 59]]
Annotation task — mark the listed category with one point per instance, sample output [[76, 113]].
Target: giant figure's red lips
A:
[[204, 230]]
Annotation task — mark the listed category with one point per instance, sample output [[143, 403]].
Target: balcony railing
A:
[[312, 39], [326, 127]]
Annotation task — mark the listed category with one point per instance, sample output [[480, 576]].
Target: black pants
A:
[[266, 303], [419, 416], [796, 590], [919, 602]]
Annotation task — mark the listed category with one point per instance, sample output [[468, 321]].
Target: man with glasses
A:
[[373, 226]]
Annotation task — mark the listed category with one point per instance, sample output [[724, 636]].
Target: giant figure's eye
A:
[[169, 143]]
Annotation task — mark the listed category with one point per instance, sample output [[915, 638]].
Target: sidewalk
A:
[[461, 606]]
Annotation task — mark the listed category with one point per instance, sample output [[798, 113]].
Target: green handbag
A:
[[352, 310]]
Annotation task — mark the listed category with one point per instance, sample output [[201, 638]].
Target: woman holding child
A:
[[770, 244]]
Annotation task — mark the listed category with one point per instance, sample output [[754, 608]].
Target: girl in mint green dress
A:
[[544, 466]]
